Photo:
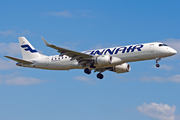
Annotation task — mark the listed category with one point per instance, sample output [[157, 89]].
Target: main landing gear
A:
[[157, 60], [100, 76], [88, 71]]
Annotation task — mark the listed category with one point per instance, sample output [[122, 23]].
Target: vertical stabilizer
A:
[[28, 51]]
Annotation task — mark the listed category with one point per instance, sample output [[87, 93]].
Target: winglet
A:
[[47, 44]]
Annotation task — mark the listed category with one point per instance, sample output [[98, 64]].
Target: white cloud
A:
[[4, 65], [61, 14], [7, 32], [15, 34], [68, 14], [166, 67], [85, 79], [175, 78], [1, 81], [24, 33], [18, 80], [159, 111], [10, 49], [84, 13], [22, 81]]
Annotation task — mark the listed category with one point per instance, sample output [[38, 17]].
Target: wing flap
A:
[[67, 52], [19, 60]]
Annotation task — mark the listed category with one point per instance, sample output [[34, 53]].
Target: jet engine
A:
[[103, 60], [122, 68]]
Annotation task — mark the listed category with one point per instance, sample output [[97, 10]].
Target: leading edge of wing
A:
[[67, 52]]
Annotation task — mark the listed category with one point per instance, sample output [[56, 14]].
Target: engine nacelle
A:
[[103, 60], [122, 68]]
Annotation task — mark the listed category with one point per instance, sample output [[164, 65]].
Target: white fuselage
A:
[[129, 53]]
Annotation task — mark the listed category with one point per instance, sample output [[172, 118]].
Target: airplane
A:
[[114, 59]]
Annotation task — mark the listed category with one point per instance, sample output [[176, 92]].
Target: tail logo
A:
[[28, 48]]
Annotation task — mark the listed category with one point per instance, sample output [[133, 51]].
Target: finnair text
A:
[[116, 50]]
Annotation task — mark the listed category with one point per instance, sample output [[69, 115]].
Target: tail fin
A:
[[28, 51]]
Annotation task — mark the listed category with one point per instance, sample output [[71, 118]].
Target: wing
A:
[[19, 60], [73, 54]]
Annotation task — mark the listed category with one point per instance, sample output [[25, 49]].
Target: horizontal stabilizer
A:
[[19, 60]]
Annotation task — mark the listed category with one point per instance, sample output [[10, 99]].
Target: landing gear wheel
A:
[[157, 65], [100, 76], [157, 60], [87, 71]]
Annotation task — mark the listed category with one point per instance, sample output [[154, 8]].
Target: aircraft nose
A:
[[173, 51]]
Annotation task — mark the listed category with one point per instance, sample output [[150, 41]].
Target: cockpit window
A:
[[162, 45]]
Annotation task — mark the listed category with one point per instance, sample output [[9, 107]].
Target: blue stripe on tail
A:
[[28, 48]]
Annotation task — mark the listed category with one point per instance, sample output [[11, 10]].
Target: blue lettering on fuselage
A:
[[123, 49], [129, 49], [117, 50], [138, 48], [110, 52], [92, 52], [98, 52]]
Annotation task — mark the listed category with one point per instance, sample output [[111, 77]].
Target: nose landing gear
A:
[[157, 60], [157, 65]]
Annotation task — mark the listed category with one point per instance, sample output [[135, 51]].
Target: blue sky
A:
[[145, 93]]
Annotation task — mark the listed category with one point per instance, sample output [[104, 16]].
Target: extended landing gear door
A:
[[151, 48], [47, 61]]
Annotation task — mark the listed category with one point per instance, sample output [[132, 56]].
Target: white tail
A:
[[28, 51]]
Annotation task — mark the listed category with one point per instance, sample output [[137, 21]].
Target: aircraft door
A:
[[151, 48], [47, 61]]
